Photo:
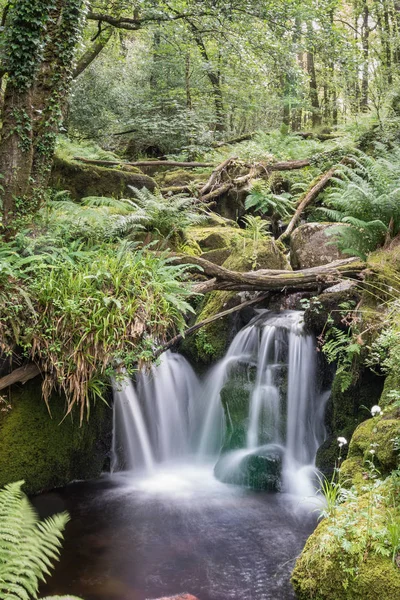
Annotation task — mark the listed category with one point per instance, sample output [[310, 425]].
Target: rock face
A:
[[83, 180], [49, 452], [311, 247]]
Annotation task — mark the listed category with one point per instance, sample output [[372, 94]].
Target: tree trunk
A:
[[52, 84], [214, 79], [25, 27], [365, 31], [34, 103]]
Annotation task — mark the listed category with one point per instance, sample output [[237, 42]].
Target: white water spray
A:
[[171, 416]]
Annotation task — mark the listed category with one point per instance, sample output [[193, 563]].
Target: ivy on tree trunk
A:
[[40, 42]]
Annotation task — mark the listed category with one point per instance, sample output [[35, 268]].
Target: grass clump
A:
[[84, 313]]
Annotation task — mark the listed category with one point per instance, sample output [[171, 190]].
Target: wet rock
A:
[[310, 246], [255, 471]]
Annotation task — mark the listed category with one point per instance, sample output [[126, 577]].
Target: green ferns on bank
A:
[[28, 547], [84, 316], [365, 197]]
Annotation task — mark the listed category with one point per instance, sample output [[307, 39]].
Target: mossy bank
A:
[[48, 452]]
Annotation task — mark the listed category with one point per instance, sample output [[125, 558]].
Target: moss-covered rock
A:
[[255, 471], [310, 246], [320, 575], [377, 436], [83, 180], [214, 238], [48, 452], [325, 310], [392, 383], [178, 177], [349, 555], [344, 412]]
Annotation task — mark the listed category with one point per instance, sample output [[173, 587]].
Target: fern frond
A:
[[28, 547]]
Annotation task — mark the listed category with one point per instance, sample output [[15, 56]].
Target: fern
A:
[[167, 216], [366, 197], [264, 201], [28, 547]]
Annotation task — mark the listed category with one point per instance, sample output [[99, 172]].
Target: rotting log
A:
[[201, 324], [207, 187], [310, 195], [270, 280], [143, 163], [20, 375]]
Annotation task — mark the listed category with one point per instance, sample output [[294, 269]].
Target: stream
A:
[[162, 523]]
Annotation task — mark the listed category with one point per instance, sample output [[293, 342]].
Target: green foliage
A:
[[28, 547], [166, 217], [22, 45], [264, 201], [364, 196], [342, 348], [85, 312]]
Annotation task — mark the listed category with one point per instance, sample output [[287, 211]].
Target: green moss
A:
[[380, 432], [178, 177], [344, 412], [352, 472], [88, 180], [392, 382], [212, 238], [211, 342], [235, 397], [338, 562], [50, 452]]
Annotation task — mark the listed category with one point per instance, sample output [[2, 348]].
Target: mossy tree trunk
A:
[[40, 41]]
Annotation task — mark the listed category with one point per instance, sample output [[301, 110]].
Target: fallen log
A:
[[322, 137], [142, 163], [270, 280], [20, 375], [309, 197], [201, 324], [215, 174]]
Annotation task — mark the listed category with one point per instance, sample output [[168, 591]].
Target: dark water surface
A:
[[177, 531]]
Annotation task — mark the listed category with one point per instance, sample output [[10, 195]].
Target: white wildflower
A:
[[342, 442], [376, 410]]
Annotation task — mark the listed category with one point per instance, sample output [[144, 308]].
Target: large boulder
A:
[[310, 246], [255, 471], [48, 450], [83, 180]]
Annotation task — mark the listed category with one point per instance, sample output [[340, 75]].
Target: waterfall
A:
[[157, 420], [171, 415]]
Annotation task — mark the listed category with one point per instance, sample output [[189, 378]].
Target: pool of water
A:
[[173, 531]]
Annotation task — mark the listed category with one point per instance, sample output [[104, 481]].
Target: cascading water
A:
[[171, 416], [285, 429], [157, 421]]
